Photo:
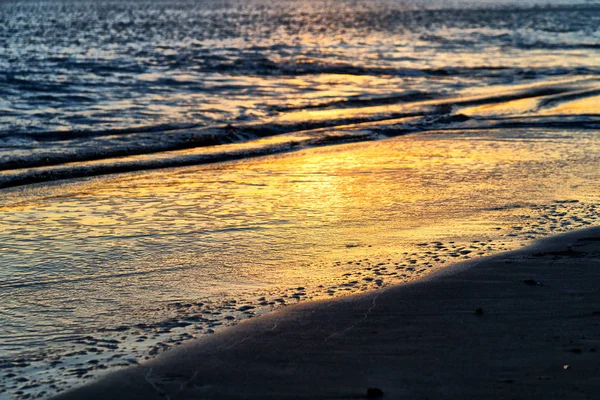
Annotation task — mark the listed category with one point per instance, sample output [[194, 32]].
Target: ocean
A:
[[168, 168], [101, 80]]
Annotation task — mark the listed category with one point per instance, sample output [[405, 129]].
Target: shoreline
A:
[[512, 325], [360, 241]]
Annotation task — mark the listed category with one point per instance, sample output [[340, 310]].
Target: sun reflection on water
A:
[[82, 256]]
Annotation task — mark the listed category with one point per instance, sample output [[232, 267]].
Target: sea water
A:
[[323, 148]]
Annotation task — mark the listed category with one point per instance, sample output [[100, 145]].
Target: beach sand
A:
[[524, 324]]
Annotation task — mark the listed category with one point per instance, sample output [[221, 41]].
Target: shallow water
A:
[[323, 148], [140, 262]]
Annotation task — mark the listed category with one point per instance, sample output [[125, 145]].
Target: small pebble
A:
[[373, 393]]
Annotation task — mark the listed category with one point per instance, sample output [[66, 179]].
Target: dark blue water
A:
[[83, 65]]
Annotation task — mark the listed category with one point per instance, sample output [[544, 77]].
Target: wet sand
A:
[[524, 324]]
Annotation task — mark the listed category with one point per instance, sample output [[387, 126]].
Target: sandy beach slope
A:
[[520, 325]]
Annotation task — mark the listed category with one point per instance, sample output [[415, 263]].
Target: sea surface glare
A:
[[168, 168]]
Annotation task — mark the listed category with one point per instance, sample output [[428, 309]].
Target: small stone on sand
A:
[[373, 393]]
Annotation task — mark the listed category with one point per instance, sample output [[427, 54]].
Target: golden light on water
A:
[[307, 224], [585, 106], [293, 208]]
